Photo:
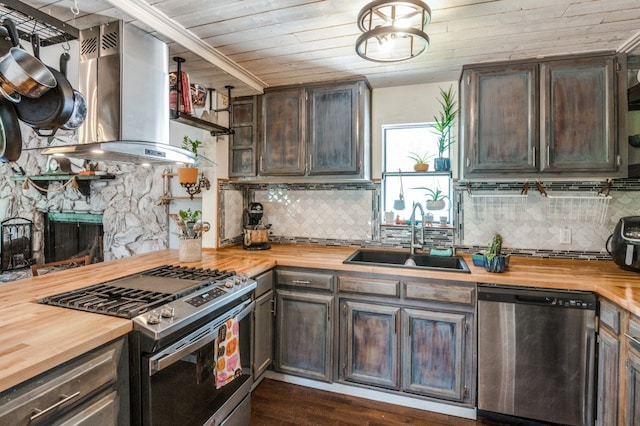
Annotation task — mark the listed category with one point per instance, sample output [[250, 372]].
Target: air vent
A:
[[109, 41], [89, 46]]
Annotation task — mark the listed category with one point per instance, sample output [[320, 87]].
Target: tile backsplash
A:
[[348, 214]]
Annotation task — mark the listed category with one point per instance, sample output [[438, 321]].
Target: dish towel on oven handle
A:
[[228, 353]]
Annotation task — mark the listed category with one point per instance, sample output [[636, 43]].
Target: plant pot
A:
[[422, 167], [435, 205], [499, 263], [478, 259], [442, 164], [188, 175], [190, 249]]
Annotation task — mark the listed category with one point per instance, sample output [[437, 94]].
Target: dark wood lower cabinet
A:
[[633, 389], [304, 345], [369, 343], [433, 348], [608, 375]]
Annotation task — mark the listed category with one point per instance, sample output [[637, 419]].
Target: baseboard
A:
[[405, 401]]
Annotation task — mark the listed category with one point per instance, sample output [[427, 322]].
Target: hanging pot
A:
[[79, 113], [399, 203], [53, 109], [22, 73], [10, 135]]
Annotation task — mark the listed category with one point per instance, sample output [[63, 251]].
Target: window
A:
[[399, 141]]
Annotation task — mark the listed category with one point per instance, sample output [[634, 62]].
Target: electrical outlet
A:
[[565, 236]]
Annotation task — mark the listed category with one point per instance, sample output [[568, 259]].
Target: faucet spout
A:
[[412, 243]]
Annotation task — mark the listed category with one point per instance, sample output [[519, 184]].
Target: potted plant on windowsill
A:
[[189, 174], [442, 128], [435, 198], [421, 161]]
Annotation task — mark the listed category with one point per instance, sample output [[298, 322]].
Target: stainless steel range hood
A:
[[124, 76]]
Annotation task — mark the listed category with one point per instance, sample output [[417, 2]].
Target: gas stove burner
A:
[[135, 294], [186, 273], [110, 300]]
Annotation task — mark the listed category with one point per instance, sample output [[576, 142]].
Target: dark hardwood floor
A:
[[278, 403]]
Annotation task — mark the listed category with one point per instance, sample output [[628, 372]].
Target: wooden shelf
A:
[[84, 181], [213, 128]]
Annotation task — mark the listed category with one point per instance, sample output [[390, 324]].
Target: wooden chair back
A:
[[80, 261]]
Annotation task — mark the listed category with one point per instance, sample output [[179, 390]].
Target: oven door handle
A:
[[162, 361]]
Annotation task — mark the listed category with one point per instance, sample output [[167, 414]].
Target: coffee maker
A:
[[256, 234]]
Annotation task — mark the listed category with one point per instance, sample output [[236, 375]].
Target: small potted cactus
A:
[[494, 260]]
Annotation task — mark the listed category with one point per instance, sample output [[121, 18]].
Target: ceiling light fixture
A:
[[393, 30]]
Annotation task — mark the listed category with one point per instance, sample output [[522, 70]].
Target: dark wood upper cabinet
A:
[[283, 133], [578, 105], [334, 147], [500, 106], [242, 143], [317, 131], [549, 117]]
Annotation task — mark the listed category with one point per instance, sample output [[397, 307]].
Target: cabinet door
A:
[[435, 352], [499, 119], [579, 130], [304, 334], [633, 389], [369, 344], [242, 143], [333, 129], [608, 361], [263, 334], [283, 133]]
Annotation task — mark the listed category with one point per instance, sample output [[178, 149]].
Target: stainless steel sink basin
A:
[[403, 260]]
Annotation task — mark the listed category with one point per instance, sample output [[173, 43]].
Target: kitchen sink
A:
[[403, 260]]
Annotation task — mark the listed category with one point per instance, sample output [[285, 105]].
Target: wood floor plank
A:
[[275, 403]]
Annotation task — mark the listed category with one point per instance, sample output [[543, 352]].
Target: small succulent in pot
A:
[[421, 161], [494, 260]]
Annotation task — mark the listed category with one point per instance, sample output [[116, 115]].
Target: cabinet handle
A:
[[273, 307], [261, 164], [468, 162], [307, 282], [618, 161], [548, 155], [533, 153], [65, 398], [633, 339]]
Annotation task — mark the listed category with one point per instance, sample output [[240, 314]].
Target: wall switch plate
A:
[[565, 236]]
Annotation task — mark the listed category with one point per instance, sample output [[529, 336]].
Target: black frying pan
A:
[[10, 135], [53, 109]]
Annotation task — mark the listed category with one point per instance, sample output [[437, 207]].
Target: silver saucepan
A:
[[22, 73]]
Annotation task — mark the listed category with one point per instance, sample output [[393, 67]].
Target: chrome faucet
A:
[[412, 243]]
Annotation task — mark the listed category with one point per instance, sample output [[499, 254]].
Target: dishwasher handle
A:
[[536, 300]]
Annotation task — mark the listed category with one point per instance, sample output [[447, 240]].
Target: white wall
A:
[[401, 105]]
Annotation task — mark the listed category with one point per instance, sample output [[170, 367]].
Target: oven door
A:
[[179, 383]]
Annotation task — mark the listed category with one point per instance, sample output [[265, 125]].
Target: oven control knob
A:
[[228, 284], [237, 280], [154, 318], [168, 311]]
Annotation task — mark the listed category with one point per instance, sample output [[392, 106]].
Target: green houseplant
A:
[[442, 128], [189, 174], [494, 260], [189, 218], [435, 198], [421, 161]]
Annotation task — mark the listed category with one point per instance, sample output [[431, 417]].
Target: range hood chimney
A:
[[124, 76]]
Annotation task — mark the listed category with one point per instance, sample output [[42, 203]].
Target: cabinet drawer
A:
[[440, 292], [317, 280], [369, 286], [634, 332], [264, 283], [610, 316], [58, 391]]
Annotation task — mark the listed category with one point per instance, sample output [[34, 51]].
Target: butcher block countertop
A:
[[35, 338]]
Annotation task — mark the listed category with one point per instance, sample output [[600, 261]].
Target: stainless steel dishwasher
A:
[[536, 355]]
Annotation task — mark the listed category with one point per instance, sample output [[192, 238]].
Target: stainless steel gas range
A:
[[179, 317]]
